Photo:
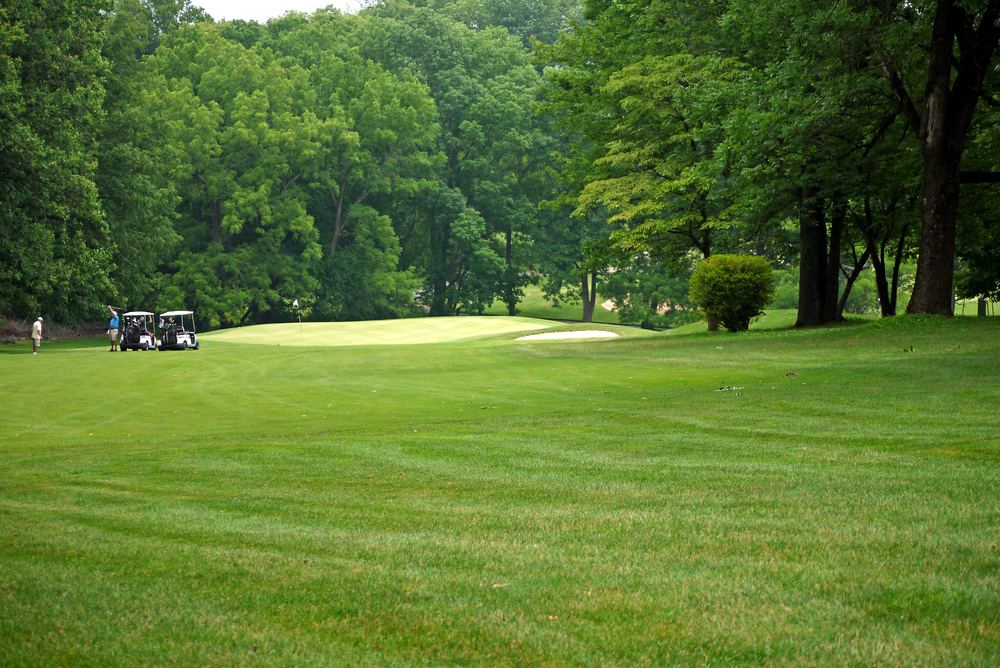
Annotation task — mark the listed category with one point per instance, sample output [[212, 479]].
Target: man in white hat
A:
[[36, 335]]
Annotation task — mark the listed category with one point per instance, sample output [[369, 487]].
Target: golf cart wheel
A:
[[184, 345]]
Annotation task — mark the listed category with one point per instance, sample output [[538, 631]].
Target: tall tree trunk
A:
[[812, 259], [589, 295], [885, 300], [932, 289], [954, 86], [509, 295]]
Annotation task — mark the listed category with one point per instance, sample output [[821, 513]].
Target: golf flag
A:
[[295, 303]]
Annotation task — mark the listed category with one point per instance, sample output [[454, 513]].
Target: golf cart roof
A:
[[170, 314], [137, 313]]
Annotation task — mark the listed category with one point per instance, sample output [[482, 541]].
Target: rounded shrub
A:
[[732, 290]]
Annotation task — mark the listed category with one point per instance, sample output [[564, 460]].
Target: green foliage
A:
[[240, 144], [979, 246], [362, 282], [786, 289], [647, 293], [149, 155], [645, 96], [139, 206], [53, 234], [493, 147], [732, 290], [528, 20], [980, 275]]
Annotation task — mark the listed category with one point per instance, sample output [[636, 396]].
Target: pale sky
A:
[[262, 10]]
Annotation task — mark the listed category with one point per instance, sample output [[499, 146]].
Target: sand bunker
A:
[[589, 334]]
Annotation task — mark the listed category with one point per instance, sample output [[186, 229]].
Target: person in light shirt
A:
[[36, 335]]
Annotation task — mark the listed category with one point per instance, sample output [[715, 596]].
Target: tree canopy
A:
[[435, 156]]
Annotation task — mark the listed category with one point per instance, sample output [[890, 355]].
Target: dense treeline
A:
[[829, 132], [432, 157]]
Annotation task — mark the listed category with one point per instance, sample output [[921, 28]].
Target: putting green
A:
[[376, 332]]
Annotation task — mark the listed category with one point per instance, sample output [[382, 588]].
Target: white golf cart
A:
[[175, 333], [137, 331]]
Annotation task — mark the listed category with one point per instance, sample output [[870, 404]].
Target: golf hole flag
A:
[[295, 303]]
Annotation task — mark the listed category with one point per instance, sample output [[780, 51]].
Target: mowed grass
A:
[[383, 332], [780, 498]]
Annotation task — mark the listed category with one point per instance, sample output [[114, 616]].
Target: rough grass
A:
[[779, 497]]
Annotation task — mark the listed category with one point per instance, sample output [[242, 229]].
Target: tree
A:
[[650, 292], [241, 145], [662, 178], [376, 134], [53, 235], [884, 214], [464, 271], [643, 93], [139, 210], [528, 20], [960, 53], [377, 131], [483, 84], [978, 246], [574, 256], [362, 282], [834, 153]]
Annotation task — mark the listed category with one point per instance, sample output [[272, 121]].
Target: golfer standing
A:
[[113, 329], [36, 335]]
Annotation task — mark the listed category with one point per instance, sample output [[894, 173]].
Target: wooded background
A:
[[435, 157]]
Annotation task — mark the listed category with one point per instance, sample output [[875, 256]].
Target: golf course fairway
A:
[[783, 498]]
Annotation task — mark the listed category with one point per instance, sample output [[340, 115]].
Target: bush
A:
[[732, 290]]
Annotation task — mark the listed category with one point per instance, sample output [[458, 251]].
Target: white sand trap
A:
[[588, 334]]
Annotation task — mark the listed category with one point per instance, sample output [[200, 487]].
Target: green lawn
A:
[[969, 307], [827, 497]]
